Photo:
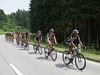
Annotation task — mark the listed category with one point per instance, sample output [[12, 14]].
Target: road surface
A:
[[17, 61]]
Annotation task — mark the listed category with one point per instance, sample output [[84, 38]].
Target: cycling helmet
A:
[[39, 31], [75, 31], [51, 30]]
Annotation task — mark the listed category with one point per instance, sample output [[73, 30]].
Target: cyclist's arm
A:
[[28, 36], [35, 38], [41, 38], [48, 39], [55, 39], [80, 41]]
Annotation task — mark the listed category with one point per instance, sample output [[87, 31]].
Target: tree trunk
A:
[[89, 34]]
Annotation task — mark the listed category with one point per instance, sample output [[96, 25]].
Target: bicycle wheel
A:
[[65, 58], [27, 48], [53, 55], [80, 61], [21, 45], [34, 48], [24, 46], [40, 50], [46, 52]]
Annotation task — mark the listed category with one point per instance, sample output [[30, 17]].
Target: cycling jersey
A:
[[12, 34], [51, 37], [72, 38], [38, 37], [22, 35], [26, 35]]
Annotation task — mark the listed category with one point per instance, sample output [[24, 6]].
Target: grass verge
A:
[[91, 56], [2, 32]]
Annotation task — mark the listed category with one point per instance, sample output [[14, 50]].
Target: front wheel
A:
[[34, 48], [40, 50], [80, 61], [46, 52], [53, 55]]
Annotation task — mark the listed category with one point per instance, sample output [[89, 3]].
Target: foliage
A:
[[13, 22], [66, 15]]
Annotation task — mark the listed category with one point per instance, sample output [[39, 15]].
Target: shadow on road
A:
[[31, 53], [17, 47], [65, 67], [43, 59], [23, 49]]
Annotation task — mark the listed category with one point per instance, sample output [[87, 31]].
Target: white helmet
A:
[[75, 31], [51, 30], [39, 31]]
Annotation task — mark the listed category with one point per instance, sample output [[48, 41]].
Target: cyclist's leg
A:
[[50, 47], [16, 39], [25, 41], [12, 39], [22, 41], [35, 42], [71, 49], [37, 47], [38, 42]]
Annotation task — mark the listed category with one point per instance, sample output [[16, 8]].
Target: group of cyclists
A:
[[20, 38], [9, 36], [50, 39]]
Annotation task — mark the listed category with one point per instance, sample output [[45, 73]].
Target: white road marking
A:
[[15, 69]]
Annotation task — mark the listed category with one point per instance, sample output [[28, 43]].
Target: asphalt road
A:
[[17, 61]]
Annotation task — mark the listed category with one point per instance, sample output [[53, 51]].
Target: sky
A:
[[10, 6]]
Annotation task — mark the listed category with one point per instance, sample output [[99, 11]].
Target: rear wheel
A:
[[65, 58], [27, 48], [80, 61], [46, 52]]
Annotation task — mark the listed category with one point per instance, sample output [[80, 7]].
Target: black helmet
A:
[[51, 30]]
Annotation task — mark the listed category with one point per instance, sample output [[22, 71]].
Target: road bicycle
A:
[[37, 49], [25, 46], [52, 53], [80, 60]]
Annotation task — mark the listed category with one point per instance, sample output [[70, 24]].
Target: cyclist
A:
[[50, 39], [72, 40], [38, 37], [22, 38], [18, 37], [12, 37], [26, 37]]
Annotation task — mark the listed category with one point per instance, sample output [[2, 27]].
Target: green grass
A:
[[59, 48], [94, 56], [90, 55], [2, 32]]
